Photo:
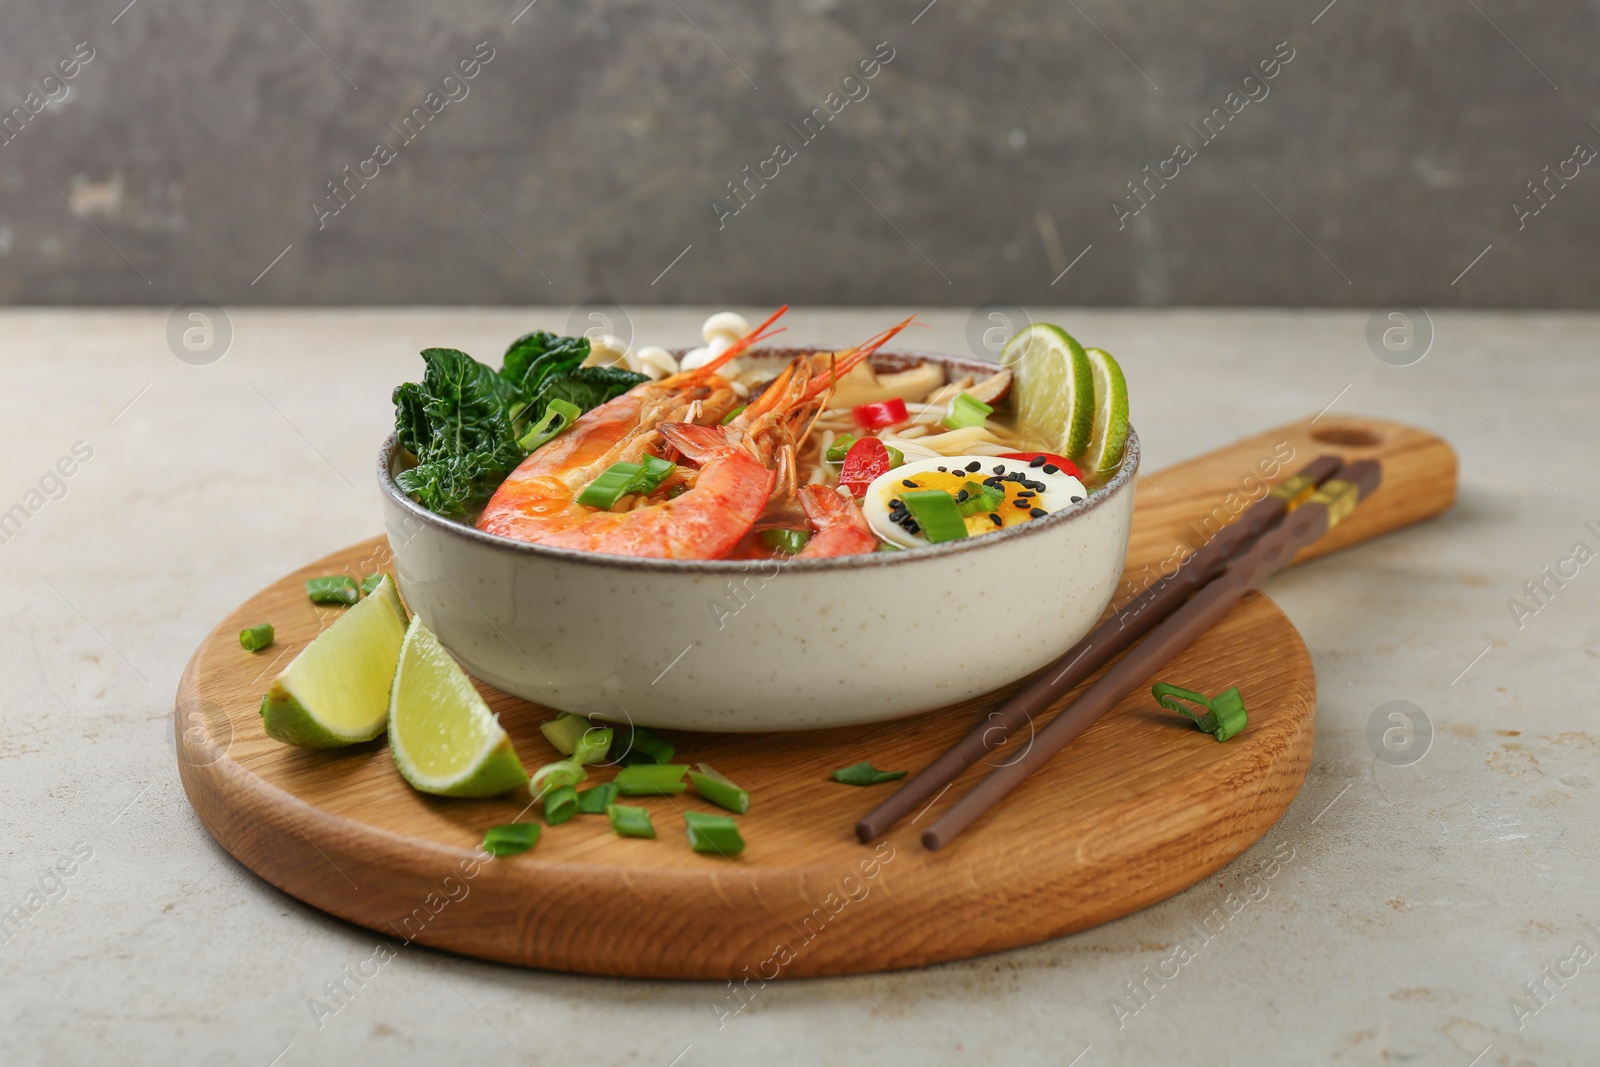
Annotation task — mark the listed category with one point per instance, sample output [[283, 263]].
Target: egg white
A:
[[1057, 495]]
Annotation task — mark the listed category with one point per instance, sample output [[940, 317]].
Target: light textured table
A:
[[1409, 906]]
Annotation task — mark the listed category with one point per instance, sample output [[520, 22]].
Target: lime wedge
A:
[[443, 737], [1054, 388], [336, 691], [1110, 415]]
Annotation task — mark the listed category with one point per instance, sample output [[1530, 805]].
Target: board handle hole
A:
[[1349, 436]]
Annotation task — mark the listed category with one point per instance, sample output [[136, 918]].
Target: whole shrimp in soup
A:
[[698, 512]]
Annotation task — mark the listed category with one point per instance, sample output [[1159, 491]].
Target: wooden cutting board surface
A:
[[1140, 807]]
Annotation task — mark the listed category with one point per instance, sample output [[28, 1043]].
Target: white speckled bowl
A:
[[753, 646]]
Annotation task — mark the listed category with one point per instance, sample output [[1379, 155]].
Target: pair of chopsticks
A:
[[1174, 613]]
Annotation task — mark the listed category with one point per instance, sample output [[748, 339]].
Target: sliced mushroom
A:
[[864, 386], [949, 393], [994, 387]]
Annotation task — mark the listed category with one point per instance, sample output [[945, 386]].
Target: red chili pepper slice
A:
[[866, 460], [1066, 465], [877, 416]]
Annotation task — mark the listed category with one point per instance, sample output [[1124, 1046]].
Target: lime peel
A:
[[1054, 387], [443, 737], [1110, 431], [336, 691]]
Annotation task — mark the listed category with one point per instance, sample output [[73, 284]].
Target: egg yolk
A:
[[1016, 508]]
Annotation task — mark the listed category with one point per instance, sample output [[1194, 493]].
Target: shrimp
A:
[[739, 463], [600, 436], [841, 528]]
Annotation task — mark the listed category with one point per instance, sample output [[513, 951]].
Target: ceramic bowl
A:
[[724, 645]]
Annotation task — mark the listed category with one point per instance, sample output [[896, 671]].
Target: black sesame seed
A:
[[1025, 494], [944, 470], [1077, 500], [1038, 513], [1036, 486], [999, 468], [961, 497], [1051, 468], [995, 519], [1023, 504], [972, 468], [908, 483], [992, 483], [1036, 461]]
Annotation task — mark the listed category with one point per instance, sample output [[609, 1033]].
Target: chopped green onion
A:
[[980, 498], [554, 776], [370, 583], [886, 546], [256, 637], [864, 773], [558, 415], [636, 744], [593, 745], [624, 479], [897, 458], [563, 731], [629, 821], [729, 417], [560, 805], [334, 589], [610, 487], [651, 779], [510, 839], [575, 736], [656, 471], [719, 790], [1224, 715], [936, 512], [593, 801], [789, 541], [966, 410], [713, 833]]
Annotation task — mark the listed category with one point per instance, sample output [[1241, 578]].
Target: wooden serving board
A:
[[1141, 806]]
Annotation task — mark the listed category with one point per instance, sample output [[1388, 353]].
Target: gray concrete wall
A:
[[585, 159]]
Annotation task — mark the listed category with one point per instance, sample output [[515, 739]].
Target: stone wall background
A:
[[583, 161]]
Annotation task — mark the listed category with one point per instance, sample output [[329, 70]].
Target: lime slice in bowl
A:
[[336, 691], [1110, 430], [1054, 388], [443, 737]]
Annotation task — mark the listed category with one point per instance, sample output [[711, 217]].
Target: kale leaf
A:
[[534, 357], [462, 420], [456, 422], [587, 387]]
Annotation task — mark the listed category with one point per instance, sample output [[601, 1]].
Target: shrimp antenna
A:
[[755, 336], [844, 364]]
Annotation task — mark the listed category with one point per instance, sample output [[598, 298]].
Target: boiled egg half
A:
[[1027, 493]]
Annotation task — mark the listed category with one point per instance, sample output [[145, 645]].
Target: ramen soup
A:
[[730, 454]]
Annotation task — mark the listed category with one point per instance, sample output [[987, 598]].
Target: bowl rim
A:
[[1127, 471]]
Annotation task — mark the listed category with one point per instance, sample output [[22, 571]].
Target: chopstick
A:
[[1353, 483], [1134, 620]]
